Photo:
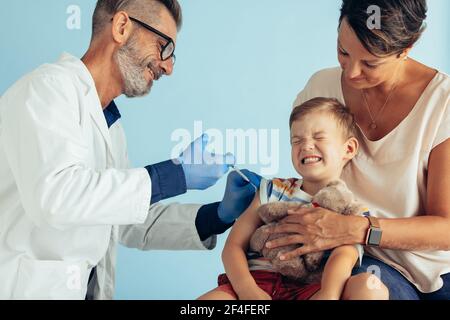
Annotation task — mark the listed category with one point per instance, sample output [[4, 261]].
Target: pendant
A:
[[373, 126]]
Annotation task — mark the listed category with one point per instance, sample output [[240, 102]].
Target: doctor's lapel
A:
[[96, 111]]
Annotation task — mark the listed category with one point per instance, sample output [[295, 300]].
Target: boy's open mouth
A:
[[311, 159]]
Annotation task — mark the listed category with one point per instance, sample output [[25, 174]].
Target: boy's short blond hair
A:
[[337, 110]]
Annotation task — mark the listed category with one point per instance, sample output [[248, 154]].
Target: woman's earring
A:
[[405, 58]]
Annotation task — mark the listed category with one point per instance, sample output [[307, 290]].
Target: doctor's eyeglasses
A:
[[167, 51]]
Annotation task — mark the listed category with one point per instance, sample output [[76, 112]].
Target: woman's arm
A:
[[432, 230], [320, 229], [234, 257], [337, 271]]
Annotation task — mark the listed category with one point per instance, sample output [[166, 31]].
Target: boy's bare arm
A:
[[233, 255], [337, 271]]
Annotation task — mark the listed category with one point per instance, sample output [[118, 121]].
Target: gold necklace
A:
[[373, 124]]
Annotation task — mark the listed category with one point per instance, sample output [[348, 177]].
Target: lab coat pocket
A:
[[48, 279]]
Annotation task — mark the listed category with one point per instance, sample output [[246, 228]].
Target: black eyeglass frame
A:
[[162, 35]]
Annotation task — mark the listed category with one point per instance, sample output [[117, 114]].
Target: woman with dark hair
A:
[[403, 168]]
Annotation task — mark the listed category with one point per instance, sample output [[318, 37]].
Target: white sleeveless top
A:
[[390, 175]]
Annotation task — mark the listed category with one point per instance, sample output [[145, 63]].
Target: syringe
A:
[[242, 175]]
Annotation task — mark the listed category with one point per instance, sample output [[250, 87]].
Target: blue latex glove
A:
[[203, 169], [238, 195]]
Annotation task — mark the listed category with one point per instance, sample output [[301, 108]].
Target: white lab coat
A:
[[66, 187]]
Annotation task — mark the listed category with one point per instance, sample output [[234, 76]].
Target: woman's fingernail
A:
[[268, 244], [282, 258]]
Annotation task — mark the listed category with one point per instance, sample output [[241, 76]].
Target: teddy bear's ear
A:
[[337, 183], [355, 208], [335, 196], [274, 211]]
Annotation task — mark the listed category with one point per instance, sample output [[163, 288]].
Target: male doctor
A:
[[66, 184]]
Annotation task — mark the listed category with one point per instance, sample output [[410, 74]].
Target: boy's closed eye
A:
[[296, 140], [320, 136]]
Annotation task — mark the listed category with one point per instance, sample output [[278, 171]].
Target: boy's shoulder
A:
[[286, 183], [286, 189]]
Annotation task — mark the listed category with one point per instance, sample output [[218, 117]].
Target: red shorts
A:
[[276, 285]]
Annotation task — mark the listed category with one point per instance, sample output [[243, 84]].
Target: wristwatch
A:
[[373, 236]]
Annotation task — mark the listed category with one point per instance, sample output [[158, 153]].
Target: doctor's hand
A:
[[238, 195], [203, 169]]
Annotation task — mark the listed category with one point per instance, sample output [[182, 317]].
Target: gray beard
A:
[[132, 71]]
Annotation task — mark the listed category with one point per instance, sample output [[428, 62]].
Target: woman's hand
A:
[[318, 229]]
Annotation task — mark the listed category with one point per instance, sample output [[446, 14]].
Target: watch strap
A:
[[374, 232], [374, 222]]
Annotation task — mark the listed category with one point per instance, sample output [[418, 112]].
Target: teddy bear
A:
[[306, 269]]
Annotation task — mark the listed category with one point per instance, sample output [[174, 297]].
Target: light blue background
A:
[[240, 65]]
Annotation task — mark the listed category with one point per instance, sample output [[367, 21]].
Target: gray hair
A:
[[147, 10]]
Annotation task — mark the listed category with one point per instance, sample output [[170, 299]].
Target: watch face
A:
[[374, 237]]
